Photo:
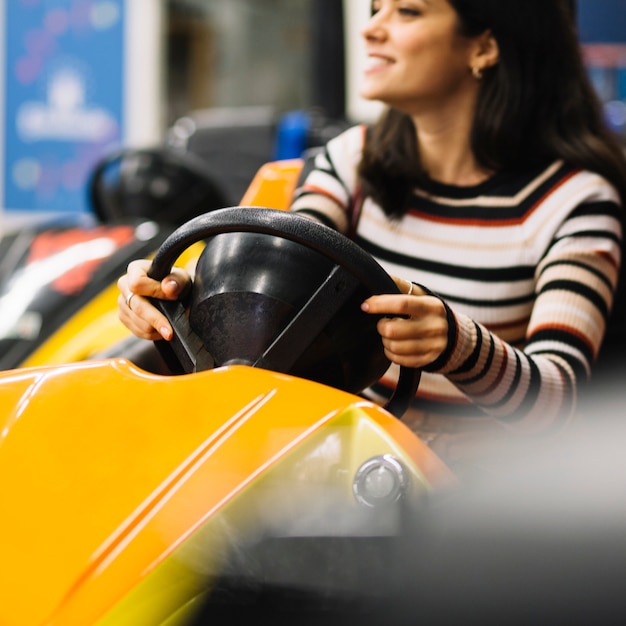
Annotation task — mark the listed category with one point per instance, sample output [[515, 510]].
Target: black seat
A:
[[160, 184]]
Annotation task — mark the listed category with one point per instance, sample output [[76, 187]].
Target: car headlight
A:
[[380, 481]]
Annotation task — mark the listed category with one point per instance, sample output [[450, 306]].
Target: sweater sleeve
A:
[[328, 190], [534, 387]]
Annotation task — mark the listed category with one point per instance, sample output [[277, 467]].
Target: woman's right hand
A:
[[135, 310]]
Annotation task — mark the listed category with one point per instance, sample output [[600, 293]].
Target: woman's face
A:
[[417, 60]]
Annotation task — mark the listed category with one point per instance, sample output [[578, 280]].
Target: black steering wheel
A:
[[351, 268]]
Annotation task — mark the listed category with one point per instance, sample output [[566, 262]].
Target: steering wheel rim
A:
[[341, 251], [296, 228]]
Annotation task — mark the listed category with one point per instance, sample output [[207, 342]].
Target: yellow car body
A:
[[122, 491]]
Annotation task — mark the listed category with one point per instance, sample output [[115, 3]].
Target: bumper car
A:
[[255, 470], [57, 278]]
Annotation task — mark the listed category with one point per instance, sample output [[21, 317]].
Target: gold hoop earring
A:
[[477, 73]]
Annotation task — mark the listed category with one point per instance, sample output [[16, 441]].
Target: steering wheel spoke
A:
[[185, 353], [309, 321]]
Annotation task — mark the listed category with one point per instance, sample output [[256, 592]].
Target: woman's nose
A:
[[375, 27]]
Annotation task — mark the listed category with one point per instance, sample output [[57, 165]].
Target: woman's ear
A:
[[485, 52]]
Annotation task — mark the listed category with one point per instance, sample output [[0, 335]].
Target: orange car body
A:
[[121, 489]]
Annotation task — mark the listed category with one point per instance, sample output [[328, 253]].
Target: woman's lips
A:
[[376, 62]]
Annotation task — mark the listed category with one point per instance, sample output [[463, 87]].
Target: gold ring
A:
[[129, 297]]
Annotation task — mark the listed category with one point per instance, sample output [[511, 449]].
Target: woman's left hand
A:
[[415, 329]]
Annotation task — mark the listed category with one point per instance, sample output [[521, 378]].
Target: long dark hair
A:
[[536, 104]]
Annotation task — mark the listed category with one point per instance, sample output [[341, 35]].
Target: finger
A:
[[398, 329], [136, 325], [142, 318], [407, 287], [390, 304], [176, 284], [171, 287], [403, 305], [414, 351], [147, 315], [413, 359], [403, 328]]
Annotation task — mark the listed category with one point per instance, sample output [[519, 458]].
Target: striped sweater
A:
[[527, 264]]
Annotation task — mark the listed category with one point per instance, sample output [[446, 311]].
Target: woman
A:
[[492, 188]]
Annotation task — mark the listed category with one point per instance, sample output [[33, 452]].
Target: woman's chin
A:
[[372, 95]]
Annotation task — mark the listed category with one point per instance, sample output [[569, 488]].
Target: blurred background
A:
[[236, 82]]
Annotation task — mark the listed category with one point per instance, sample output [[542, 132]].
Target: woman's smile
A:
[[377, 62]]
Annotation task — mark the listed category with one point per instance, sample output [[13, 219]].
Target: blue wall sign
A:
[[64, 74], [602, 30]]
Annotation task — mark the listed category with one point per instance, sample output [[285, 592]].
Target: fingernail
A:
[[173, 284], [365, 307], [166, 333]]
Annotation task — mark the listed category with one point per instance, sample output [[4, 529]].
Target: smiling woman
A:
[[492, 187], [419, 59]]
